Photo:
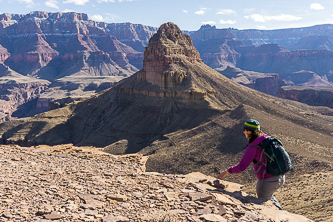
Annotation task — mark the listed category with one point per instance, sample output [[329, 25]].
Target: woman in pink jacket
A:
[[266, 184]]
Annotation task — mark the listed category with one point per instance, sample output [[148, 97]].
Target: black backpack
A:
[[277, 159]]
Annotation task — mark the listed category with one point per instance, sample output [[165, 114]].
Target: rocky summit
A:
[[186, 117], [68, 183], [162, 52]]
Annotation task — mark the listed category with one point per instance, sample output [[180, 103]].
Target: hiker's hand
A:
[[223, 174]]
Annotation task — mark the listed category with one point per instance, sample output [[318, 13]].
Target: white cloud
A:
[[68, 10], [185, 11], [226, 12], [264, 18], [256, 17], [261, 27], [76, 2], [230, 22], [52, 4], [29, 3], [209, 23], [202, 11], [110, 17], [97, 18], [25, 1], [100, 1], [316, 6]]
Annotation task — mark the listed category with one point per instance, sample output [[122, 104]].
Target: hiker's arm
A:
[[247, 158], [223, 174]]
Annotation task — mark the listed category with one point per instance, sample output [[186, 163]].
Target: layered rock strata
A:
[[38, 38], [53, 46], [270, 51]]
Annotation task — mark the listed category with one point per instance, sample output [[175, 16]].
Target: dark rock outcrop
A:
[[307, 78], [265, 82], [308, 95]]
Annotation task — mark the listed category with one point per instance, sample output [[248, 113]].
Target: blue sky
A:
[[189, 14]]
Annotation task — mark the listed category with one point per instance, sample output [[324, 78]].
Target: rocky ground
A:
[[308, 191], [66, 183], [310, 195]]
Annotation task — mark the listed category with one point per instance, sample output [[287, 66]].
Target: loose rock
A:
[[61, 183]]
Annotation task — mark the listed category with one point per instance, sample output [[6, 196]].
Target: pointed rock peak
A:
[[170, 41], [167, 49], [170, 31]]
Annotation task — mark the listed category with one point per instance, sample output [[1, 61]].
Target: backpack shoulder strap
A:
[[264, 144], [261, 162]]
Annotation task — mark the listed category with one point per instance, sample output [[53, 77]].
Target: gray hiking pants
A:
[[265, 188]]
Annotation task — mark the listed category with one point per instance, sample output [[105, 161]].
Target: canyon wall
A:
[[82, 55], [69, 49]]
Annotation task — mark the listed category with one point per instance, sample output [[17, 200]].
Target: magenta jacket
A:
[[252, 152]]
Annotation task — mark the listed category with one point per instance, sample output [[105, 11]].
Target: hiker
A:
[[266, 184]]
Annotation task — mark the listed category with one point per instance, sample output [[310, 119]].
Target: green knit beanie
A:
[[252, 124]]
